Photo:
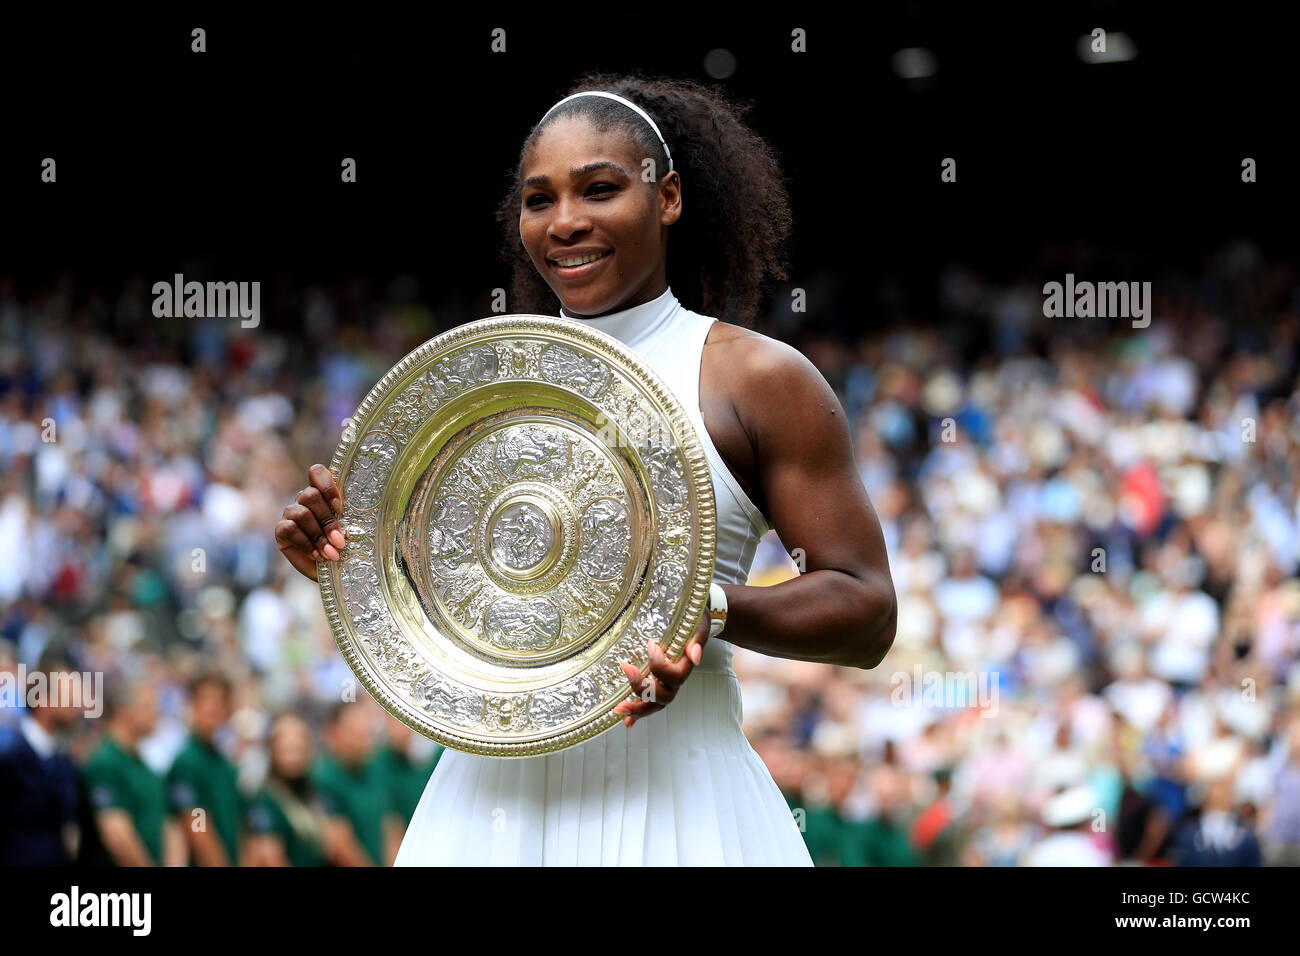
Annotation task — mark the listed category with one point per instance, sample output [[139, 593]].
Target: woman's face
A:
[[583, 196], [291, 748]]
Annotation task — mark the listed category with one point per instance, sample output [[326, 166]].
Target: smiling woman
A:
[[601, 182], [628, 170]]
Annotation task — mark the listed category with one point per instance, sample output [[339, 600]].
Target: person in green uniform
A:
[[404, 768], [880, 840], [363, 828], [822, 834], [827, 784], [129, 799], [789, 767], [201, 784], [285, 821]]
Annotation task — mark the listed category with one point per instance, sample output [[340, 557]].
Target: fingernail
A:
[[331, 553], [336, 536], [316, 555], [338, 506]]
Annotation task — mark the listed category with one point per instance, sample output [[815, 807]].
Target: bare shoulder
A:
[[767, 374]]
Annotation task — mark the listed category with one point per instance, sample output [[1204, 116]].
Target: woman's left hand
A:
[[657, 689]]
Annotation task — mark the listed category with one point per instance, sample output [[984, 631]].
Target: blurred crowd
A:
[[1100, 525], [1095, 526]]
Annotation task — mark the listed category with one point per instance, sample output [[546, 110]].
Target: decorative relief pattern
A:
[[451, 376], [666, 584], [665, 468], [503, 525], [451, 546], [523, 624], [522, 536], [532, 451], [606, 539], [559, 705], [360, 590], [370, 468], [587, 374], [449, 700]]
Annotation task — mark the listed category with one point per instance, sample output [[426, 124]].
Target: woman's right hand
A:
[[309, 531]]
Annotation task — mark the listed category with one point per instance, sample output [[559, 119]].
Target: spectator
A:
[[1070, 815], [40, 793], [202, 784], [1216, 836], [285, 821], [363, 827], [1282, 844], [404, 763], [129, 799], [934, 833]]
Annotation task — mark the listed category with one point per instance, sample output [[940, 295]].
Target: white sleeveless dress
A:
[[683, 786]]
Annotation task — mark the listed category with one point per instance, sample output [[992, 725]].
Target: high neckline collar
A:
[[635, 325]]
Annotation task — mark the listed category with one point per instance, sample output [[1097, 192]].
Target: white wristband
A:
[[717, 609]]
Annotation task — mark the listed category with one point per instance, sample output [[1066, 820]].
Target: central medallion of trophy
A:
[[530, 517], [523, 537]]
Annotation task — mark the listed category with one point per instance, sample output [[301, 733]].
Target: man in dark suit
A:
[[40, 791], [1216, 836]]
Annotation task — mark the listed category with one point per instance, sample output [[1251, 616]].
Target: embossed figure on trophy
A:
[[663, 464], [460, 601], [584, 610], [532, 452], [454, 374], [677, 535], [451, 540], [551, 707], [522, 625], [588, 468], [473, 471], [583, 373], [442, 697], [522, 536], [374, 456], [606, 536]]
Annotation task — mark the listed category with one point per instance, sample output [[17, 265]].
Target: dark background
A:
[[232, 157]]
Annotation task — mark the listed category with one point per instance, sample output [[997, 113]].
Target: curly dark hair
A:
[[729, 246]]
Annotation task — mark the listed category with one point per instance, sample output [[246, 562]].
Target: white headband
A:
[[630, 105]]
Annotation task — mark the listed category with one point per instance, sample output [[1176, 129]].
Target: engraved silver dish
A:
[[526, 504]]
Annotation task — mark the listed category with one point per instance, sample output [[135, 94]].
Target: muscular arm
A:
[[842, 609]]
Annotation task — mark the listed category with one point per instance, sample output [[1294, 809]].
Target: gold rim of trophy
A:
[[526, 502]]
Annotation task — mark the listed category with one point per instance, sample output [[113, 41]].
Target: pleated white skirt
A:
[[682, 787]]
